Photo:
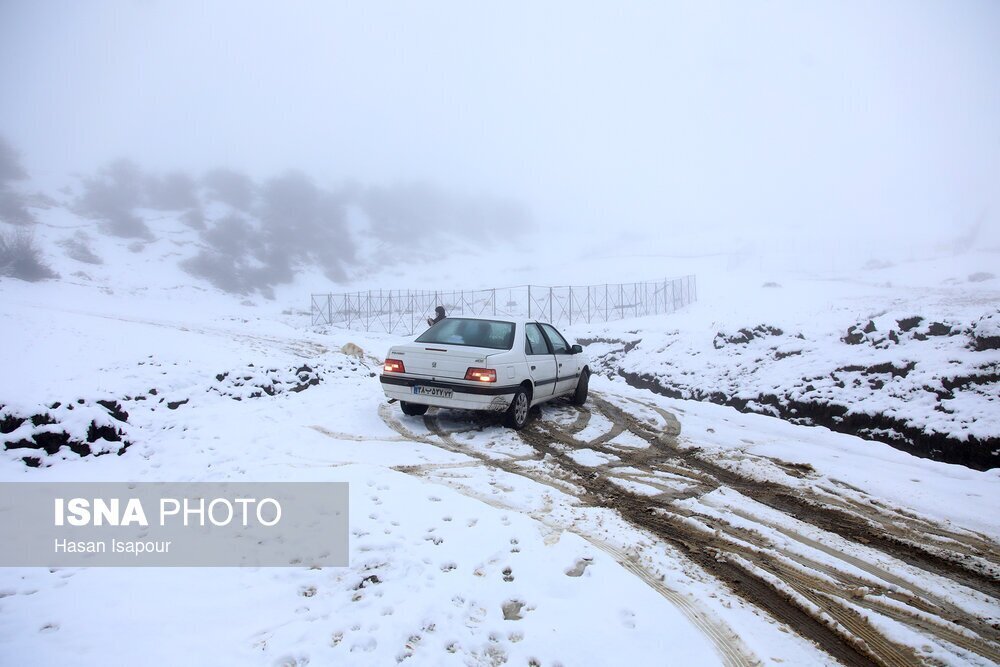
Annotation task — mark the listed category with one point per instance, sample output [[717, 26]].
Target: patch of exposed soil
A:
[[45, 433], [974, 453], [254, 382]]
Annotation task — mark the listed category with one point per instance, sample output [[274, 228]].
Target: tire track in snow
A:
[[793, 588], [885, 652], [731, 649]]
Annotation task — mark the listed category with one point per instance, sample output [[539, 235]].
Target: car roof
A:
[[498, 318]]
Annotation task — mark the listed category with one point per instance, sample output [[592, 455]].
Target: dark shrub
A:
[[20, 257], [112, 196], [230, 187]]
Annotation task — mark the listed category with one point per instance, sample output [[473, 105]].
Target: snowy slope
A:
[[432, 572], [904, 351], [464, 548], [906, 354], [594, 536]]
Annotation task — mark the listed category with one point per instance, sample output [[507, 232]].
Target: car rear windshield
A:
[[473, 333]]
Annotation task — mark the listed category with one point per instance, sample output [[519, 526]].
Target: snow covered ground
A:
[[906, 354], [641, 530], [434, 575]]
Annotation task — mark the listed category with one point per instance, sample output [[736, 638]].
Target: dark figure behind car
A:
[[438, 316]]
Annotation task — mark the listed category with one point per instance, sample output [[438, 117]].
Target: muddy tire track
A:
[[703, 549], [854, 521], [861, 641]]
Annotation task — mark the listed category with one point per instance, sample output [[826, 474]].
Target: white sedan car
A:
[[482, 363]]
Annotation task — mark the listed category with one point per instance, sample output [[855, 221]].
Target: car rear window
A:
[[473, 333]]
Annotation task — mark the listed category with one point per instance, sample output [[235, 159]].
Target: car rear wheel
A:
[[582, 387], [517, 414], [413, 409]]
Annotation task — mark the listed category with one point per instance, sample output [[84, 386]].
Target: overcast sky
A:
[[880, 118]]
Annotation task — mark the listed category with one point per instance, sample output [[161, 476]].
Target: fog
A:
[[683, 127]]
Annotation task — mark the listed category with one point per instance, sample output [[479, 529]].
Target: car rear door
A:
[[566, 364], [541, 361]]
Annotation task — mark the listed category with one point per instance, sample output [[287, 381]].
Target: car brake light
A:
[[481, 374], [393, 366]]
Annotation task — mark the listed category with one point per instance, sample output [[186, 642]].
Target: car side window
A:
[[559, 344], [534, 341]]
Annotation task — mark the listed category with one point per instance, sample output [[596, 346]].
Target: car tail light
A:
[[481, 374], [393, 366]]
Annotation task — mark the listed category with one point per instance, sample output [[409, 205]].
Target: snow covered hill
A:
[[907, 354], [902, 351], [639, 528], [225, 230]]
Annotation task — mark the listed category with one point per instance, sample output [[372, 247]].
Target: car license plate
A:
[[437, 392]]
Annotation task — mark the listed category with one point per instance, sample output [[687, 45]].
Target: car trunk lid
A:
[[440, 361]]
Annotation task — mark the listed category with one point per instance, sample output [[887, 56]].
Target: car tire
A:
[[413, 409], [582, 387], [516, 416]]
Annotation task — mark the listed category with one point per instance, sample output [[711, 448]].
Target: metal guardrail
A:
[[405, 312]]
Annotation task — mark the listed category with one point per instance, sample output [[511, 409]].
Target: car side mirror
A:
[[576, 349]]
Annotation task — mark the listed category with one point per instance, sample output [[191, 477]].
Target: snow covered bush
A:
[[980, 276], [175, 191], [12, 202], [13, 208], [78, 248], [112, 197], [10, 163], [20, 257], [232, 187]]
